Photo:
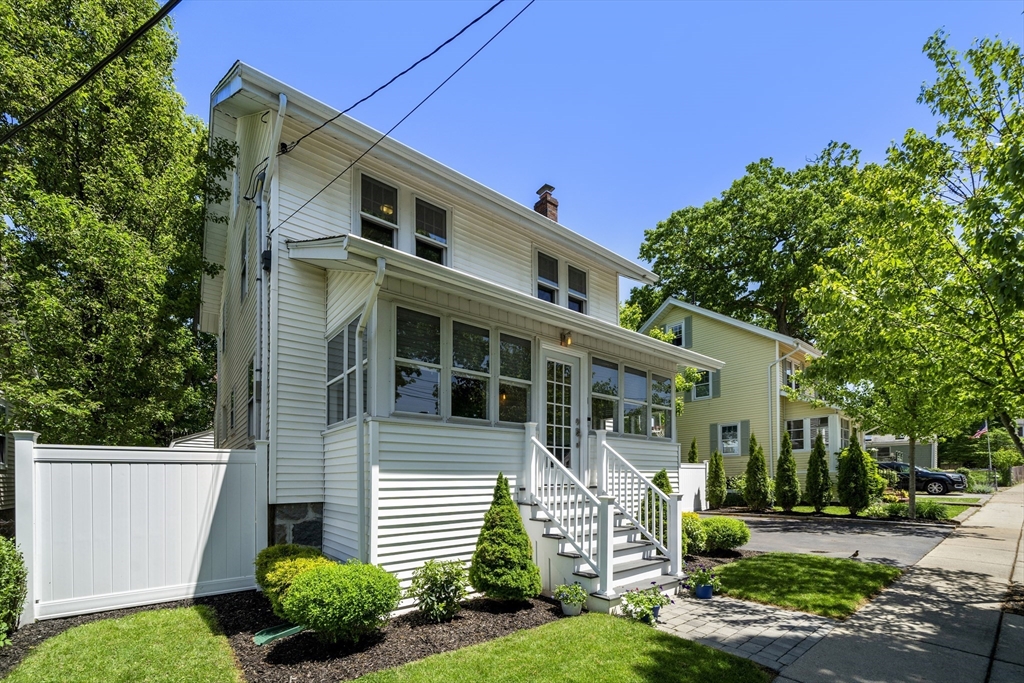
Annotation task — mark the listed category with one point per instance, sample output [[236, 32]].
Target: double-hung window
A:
[[471, 359], [515, 370], [378, 209], [729, 439], [417, 362], [431, 232], [577, 290], [796, 434], [634, 406], [604, 391], [819, 425], [547, 278], [790, 368], [702, 387], [341, 374], [661, 406], [677, 333]]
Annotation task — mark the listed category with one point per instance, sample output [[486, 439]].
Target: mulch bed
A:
[[304, 658], [1014, 603], [717, 558]]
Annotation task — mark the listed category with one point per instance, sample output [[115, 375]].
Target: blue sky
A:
[[630, 109]]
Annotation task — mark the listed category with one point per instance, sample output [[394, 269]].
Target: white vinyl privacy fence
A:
[[693, 484], [104, 528]]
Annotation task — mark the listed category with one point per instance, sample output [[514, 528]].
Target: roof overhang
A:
[[349, 252]]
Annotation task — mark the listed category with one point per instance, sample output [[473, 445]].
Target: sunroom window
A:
[[604, 390], [378, 212], [634, 417], [515, 371], [661, 406], [547, 278], [844, 432], [341, 375], [577, 290], [431, 232], [819, 425], [471, 357], [417, 362]]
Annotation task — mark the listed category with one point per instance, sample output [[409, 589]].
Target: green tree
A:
[[819, 482], [101, 243], [747, 253], [787, 484], [853, 483], [716, 481], [692, 456], [757, 490], [502, 566]]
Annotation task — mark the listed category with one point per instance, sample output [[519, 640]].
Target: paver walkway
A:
[[767, 635]]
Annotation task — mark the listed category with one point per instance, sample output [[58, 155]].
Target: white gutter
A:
[[773, 396], [371, 301]]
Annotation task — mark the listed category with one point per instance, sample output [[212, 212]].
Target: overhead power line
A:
[[393, 79], [402, 120], [118, 51]]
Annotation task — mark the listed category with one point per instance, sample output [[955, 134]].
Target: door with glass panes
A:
[[561, 429]]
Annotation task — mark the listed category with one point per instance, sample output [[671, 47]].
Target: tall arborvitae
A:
[[716, 481], [692, 457], [819, 483], [758, 489], [854, 480], [787, 484]]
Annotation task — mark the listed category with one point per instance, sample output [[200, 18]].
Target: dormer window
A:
[[577, 290], [378, 212], [547, 278], [431, 232], [677, 333]]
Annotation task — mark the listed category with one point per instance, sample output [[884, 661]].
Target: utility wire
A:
[[402, 120], [393, 79], [118, 51]]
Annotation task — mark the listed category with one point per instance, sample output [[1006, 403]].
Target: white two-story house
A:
[[400, 334]]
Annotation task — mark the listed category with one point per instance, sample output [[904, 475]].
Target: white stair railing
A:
[[653, 512]]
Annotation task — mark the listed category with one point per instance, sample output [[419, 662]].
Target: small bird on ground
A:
[[856, 553]]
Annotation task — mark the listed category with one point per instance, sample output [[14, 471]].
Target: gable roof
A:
[[246, 90], [728, 320]]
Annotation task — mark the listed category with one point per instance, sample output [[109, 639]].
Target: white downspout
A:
[[371, 301], [773, 397]]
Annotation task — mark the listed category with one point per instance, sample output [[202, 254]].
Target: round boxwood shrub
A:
[[270, 555], [725, 533], [283, 574], [502, 566], [13, 586], [439, 587], [342, 602], [694, 536]]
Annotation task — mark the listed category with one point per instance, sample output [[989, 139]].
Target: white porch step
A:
[[668, 585]]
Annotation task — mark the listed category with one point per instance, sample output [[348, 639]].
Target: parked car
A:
[[935, 483]]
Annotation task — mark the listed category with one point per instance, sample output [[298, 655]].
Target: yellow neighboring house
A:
[[748, 394]]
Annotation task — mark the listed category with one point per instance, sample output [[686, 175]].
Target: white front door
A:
[[561, 428]]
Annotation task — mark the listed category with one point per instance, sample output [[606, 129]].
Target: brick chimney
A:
[[547, 205]]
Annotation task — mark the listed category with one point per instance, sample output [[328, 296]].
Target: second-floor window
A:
[[677, 333], [431, 232], [378, 209], [790, 368], [547, 278], [577, 290], [702, 387]]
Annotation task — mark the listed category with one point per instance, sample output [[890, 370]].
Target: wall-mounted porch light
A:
[[566, 338]]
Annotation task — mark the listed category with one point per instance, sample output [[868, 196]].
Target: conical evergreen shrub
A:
[[502, 566], [819, 483], [787, 484], [854, 480], [692, 457], [716, 481], [758, 488], [648, 516]]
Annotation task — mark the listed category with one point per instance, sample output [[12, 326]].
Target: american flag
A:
[[983, 430]]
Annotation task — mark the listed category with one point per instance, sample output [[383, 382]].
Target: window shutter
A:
[[688, 395], [745, 437], [714, 437], [688, 331], [716, 384]]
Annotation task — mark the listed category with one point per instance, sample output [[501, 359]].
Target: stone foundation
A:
[[301, 523]]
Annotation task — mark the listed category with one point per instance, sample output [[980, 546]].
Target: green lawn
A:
[[955, 499], [170, 645], [593, 648], [827, 586]]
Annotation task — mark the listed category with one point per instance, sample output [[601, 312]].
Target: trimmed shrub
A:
[[725, 533], [283, 574], [13, 586], [734, 499], [716, 481], [694, 537], [271, 554], [929, 509], [819, 483], [342, 602], [897, 510], [876, 510], [1003, 461], [966, 472], [692, 457], [439, 587], [502, 566], [757, 487], [736, 483], [853, 483], [787, 484]]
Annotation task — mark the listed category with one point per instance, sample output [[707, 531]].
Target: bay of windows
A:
[[645, 400]]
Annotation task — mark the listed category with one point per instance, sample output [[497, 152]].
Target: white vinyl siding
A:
[[341, 498]]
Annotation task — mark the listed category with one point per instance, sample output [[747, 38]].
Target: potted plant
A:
[[703, 583], [572, 596], [643, 605]]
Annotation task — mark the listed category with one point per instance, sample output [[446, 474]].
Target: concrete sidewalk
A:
[[939, 622]]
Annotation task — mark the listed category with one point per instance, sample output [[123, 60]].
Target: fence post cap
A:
[[25, 435]]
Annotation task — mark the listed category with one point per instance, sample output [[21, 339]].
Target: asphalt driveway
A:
[[894, 544]]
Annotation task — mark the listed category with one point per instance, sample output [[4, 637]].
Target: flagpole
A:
[[988, 438]]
